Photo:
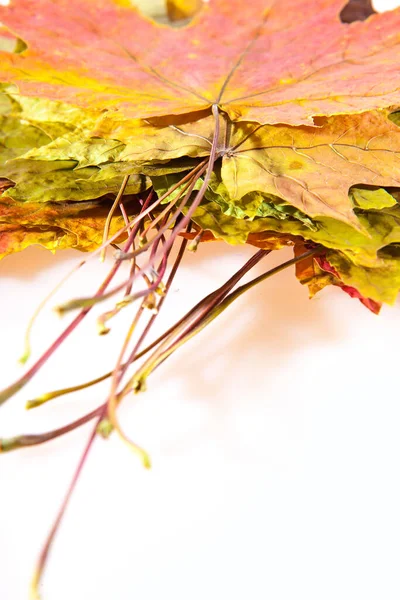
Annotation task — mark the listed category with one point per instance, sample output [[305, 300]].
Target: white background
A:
[[274, 437]]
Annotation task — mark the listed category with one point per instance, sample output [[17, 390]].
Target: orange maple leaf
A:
[[266, 61]]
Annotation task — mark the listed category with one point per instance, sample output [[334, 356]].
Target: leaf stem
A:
[[40, 400], [198, 318], [92, 300], [6, 393], [22, 441], [38, 573], [207, 310], [110, 216], [27, 338], [34, 590]]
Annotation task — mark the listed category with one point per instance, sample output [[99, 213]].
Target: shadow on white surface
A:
[[28, 263], [273, 436]]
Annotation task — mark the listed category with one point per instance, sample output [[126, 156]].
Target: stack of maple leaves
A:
[[271, 123], [308, 145]]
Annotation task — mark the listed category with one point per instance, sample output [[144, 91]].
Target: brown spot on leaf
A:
[[356, 10]]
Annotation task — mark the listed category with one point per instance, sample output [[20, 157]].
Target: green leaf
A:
[[57, 181], [253, 204], [372, 199], [17, 138], [163, 183], [382, 228]]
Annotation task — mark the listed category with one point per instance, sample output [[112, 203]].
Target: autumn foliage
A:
[[308, 141], [269, 123]]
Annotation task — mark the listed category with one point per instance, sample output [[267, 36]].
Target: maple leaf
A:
[[368, 262], [311, 168], [268, 123], [280, 172], [58, 180], [372, 305], [309, 272], [255, 60], [316, 272], [17, 138], [267, 240], [380, 282], [57, 226], [380, 229]]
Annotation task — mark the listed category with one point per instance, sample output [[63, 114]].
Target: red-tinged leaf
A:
[[309, 273], [372, 305], [263, 60], [324, 264], [316, 272]]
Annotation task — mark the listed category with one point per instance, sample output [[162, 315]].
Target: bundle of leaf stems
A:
[[157, 239]]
